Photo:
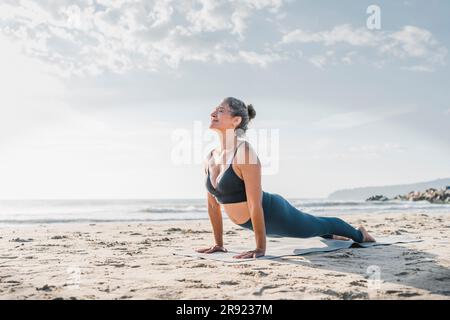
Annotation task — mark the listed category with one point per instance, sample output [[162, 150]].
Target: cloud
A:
[[161, 13], [210, 17], [47, 142], [30, 97], [262, 60], [358, 118], [377, 149], [339, 34], [346, 120], [88, 38], [321, 60], [365, 151], [414, 42], [34, 104], [320, 144], [410, 42], [419, 68]]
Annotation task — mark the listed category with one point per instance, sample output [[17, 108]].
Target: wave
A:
[[174, 210], [372, 209], [364, 203], [51, 221], [327, 204], [28, 212]]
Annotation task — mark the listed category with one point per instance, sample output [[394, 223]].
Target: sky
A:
[[95, 93]]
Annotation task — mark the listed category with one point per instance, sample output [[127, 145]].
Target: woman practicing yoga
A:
[[237, 187]]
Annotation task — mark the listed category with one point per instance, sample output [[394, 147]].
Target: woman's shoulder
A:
[[246, 154]]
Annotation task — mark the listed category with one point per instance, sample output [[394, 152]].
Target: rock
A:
[[58, 237], [46, 288], [377, 198], [173, 229], [431, 195], [21, 240]]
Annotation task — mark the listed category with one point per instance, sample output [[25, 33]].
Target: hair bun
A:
[[251, 111]]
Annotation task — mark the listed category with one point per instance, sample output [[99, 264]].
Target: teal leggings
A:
[[283, 219]]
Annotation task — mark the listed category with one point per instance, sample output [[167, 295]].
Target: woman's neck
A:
[[227, 142]]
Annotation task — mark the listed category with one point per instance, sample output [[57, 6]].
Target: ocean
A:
[[19, 212]]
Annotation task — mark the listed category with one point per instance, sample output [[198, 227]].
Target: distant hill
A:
[[389, 191]]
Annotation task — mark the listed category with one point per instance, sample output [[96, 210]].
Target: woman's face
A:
[[221, 118]]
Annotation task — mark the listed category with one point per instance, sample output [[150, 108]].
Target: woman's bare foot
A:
[[335, 237], [366, 235]]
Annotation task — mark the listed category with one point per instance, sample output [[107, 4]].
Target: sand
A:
[[135, 261]]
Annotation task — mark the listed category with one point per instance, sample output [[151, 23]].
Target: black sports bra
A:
[[230, 188]]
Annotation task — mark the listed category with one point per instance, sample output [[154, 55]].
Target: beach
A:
[[121, 260]]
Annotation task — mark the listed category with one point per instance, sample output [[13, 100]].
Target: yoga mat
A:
[[287, 246]]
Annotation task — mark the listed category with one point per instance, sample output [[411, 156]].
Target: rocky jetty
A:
[[431, 195]]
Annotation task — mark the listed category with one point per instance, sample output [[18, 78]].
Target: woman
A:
[[236, 186]]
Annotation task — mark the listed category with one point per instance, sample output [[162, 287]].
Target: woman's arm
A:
[[215, 216], [250, 168]]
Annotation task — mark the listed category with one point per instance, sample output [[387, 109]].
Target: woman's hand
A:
[[212, 249], [251, 254]]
